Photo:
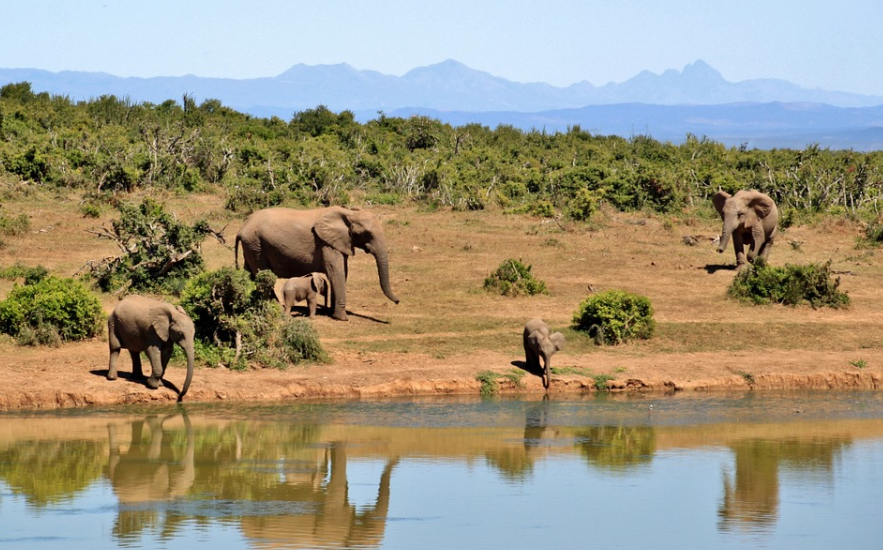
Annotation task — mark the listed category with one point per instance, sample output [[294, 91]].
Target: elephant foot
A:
[[339, 315], [153, 383], [111, 376]]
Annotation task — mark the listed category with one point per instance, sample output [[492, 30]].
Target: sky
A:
[[826, 44]]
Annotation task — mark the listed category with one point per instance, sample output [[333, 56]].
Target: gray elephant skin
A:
[[750, 219], [141, 324], [308, 288], [541, 343], [293, 243]]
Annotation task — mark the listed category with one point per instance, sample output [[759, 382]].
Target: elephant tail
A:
[[236, 252]]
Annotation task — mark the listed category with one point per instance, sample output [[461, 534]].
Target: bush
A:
[[14, 225], [49, 311], [615, 316], [513, 278], [298, 342], [238, 319], [791, 285]]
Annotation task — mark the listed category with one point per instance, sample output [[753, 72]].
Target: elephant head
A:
[[172, 325], [348, 229], [317, 283], [749, 217]]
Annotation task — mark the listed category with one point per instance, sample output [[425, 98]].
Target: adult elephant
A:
[[141, 324], [292, 243], [750, 218]]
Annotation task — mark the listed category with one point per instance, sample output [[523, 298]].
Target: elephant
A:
[[750, 218], [539, 342], [292, 243], [143, 324], [297, 289]]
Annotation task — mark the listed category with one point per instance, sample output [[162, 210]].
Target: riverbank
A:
[[447, 330]]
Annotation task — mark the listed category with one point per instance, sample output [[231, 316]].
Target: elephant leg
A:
[[765, 249], [739, 247], [137, 371], [312, 302], [155, 356], [166, 355], [114, 364], [335, 268]]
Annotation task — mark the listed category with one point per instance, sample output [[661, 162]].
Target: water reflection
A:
[[751, 493], [287, 481]]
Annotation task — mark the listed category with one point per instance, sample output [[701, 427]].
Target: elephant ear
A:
[[557, 339], [159, 320], [719, 200], [761, 205], [333, 228], [316, 283]]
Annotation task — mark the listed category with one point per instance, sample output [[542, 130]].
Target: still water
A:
[[750, 471]]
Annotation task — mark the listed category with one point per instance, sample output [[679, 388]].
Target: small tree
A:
[[615, 316], [513, 278], [156, 249]]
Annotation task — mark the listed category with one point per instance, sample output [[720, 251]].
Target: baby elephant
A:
[[297, 289], [144, 324], [539, 341]]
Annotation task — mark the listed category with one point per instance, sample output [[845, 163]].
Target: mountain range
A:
[[697, 100]]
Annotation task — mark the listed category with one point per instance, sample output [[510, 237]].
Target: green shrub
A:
[[615, 316], [513, 278], [14, 225], [298, 342], [238, 320], [50, 310], [30, 275], [792, 285]]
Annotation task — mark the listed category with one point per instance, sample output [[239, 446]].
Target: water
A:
[[750, 471]]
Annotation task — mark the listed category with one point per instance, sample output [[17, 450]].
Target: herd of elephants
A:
[[299, 246]]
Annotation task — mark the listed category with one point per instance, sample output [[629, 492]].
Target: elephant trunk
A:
[[725, 237], [378, 249], [547, 371], [188, 351]]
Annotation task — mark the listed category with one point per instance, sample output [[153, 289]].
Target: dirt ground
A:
[[447, 329]]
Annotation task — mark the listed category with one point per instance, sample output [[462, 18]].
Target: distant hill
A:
[[666, 105]]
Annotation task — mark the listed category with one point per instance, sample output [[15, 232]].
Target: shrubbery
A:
[[238, 319], [615, 316], [49, 311], [513, 278], [792, 285]]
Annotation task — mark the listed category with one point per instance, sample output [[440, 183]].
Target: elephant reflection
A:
[[751, 495], [150, 470], [331, 519]]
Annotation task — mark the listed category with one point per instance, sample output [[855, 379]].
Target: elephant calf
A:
[[539, 342], [154, 327], [297, 289]]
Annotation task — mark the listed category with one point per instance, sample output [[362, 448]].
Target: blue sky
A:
[[814, 43]]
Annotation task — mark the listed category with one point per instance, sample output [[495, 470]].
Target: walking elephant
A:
[[141, 324], [298, 289], [292, 243], [750, 218], [540, 342]]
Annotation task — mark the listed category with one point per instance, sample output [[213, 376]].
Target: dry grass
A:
[[439, 261]]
